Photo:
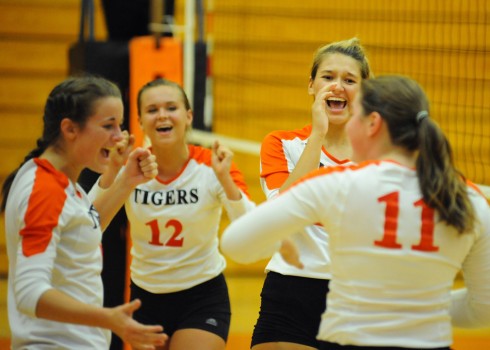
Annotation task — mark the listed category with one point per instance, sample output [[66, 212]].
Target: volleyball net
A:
[[259, 56], [262, 55], [252, 148]]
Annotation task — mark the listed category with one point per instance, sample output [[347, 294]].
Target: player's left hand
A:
[[221, 159]]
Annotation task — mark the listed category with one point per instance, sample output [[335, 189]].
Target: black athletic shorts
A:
[[205, 306], [334, 346], [290, 310]]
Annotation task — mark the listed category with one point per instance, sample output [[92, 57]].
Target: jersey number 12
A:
[[174, 240]]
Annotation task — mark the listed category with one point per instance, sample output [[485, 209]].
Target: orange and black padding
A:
[[148, 61]]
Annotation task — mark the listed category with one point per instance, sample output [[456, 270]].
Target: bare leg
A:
[[281, 346], [196, 339]]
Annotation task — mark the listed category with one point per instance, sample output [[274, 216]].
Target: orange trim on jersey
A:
[[336, 169], [193, 154], [274, 166], [336, 160], [200, 154], [43, 209], [203, 156], [169, 181], [477, 189], [273, 160], [239, 179]]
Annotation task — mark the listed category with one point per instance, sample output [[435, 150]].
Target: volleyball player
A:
[[337, 71], [402, 224], [54, 232], [177, 269]]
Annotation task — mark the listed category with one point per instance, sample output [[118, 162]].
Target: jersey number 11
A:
[[389, 239]]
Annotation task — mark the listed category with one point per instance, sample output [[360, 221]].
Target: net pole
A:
[[190, 10]]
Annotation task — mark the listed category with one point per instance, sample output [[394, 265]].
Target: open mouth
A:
[[164, 129], [105, 152], [336, 103]]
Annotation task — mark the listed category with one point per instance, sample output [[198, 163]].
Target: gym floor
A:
[[245, 301]]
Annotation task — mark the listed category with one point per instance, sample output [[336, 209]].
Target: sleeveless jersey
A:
[[393, 261], [174, 225], [53, 241], [279, 154]]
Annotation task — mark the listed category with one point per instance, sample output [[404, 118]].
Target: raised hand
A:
[[221, 159], [319, 115], [141, 167], [120, 153]]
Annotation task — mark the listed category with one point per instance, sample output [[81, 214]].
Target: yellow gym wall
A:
[[261, 57]]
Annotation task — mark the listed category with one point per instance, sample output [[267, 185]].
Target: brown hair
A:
[[350, 47], [162, 82], [73, 98], [403, 105]]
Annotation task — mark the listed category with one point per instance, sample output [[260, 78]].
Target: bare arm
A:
[[221, 162], [140, 167], [57, 306], [119, 155], [310, 158], [258, 234]]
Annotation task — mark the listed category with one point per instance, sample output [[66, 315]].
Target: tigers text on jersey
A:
[[393, 262], [280, 152], [174, 226], [53, 241]]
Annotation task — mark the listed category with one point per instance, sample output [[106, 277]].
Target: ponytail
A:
[[73, 98], [443, 186], [403, 105], [36, 152]]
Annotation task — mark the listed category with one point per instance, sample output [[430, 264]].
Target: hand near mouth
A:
[[118, 156], [120, 152], [319, 120]]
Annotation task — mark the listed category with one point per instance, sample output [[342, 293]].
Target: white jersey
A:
[[279, 154], [53, 241], [174, 226], [393, 262]]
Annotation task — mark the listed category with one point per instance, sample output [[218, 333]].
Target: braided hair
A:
[[73, 98]]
